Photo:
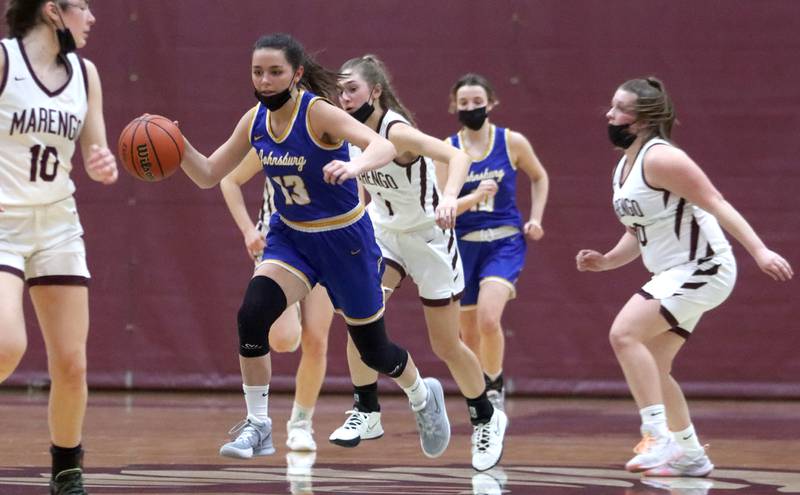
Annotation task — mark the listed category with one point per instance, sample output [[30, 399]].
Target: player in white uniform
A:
[[49, 99], [674, 218], [405, 207], [305, 323]]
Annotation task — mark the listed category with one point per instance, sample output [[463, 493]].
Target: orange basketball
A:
[[151, 148]]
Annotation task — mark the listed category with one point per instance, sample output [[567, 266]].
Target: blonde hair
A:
[[374, 72]]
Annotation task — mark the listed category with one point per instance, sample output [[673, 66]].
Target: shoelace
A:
[[356, 419], [482, 437], [245, 430], [71, 484]]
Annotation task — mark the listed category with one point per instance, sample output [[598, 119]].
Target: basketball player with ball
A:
[[50, 99], [321, 233]]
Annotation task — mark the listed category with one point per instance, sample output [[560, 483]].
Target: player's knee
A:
[[11, 352], [445, 347], [620, 339], [314, 344], [263, 303], [69, 369], [376, 350], [488, 323]]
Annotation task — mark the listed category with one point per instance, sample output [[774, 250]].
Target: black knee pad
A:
[[376, 350], [264, 301]]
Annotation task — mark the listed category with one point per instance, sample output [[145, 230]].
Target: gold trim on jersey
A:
[[330, 223], [361, 321], [310, 130], [252, 123], [486, 152], [288, 130], [294, 271], [501, 281], [507, 133], [489, 235]]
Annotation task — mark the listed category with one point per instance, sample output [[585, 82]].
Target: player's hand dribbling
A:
[[774, 265], [337, 171], [446, 212], [589, 260], [101, 165], [533, 230]]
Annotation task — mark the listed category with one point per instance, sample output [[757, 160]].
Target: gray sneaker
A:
[[251, 438], [432, 422]]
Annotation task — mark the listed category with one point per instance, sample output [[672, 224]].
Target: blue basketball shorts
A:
[[346, 261], [500, 260]]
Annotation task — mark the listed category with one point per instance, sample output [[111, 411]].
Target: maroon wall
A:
[[168, 264]]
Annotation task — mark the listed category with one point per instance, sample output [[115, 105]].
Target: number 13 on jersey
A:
[[293, 189]]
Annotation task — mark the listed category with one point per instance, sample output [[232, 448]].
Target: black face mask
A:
[[276, 101], [474, 118], [66, 42], [363, 112], [620, 136]]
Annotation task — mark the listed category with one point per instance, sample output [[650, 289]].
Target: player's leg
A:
[[63, 314], [285, 333], [271, 290], [13, 339], [693, 460], [492, 299], [638, 322], [489, 424], [316, 320], [364, 419]]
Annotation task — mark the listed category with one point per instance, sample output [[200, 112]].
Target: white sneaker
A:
[[300, 436], [691, 466], [487, 441], [251, 437], [681, 486], [653, 451], [358, 426]]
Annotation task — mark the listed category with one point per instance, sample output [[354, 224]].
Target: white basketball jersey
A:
[[671, 231], [404, 196], [39, 129]]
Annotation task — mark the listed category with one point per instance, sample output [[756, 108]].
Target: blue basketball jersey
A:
[[501, 210], [293, 162]]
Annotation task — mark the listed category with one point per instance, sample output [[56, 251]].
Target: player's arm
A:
[[525, 159], [669, 168], [625, 251], [98, 160], [231, 187], [335, 124], [207, 172], [408, 139]]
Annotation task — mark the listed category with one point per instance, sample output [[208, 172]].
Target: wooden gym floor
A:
[[159, 443]]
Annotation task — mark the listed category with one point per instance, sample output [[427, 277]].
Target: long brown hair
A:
[[316, 78], [374, 72], [653, 106], [23, 15]]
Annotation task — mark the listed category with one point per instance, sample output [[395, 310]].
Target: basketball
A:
[[151, 148]]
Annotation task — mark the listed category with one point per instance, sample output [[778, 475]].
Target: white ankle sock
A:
[[300, 413], [257, 399], [417, 393], [688, 440], [655, 416]]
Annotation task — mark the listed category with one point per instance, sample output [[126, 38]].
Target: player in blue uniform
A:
[[491, 234], [321, 233]]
